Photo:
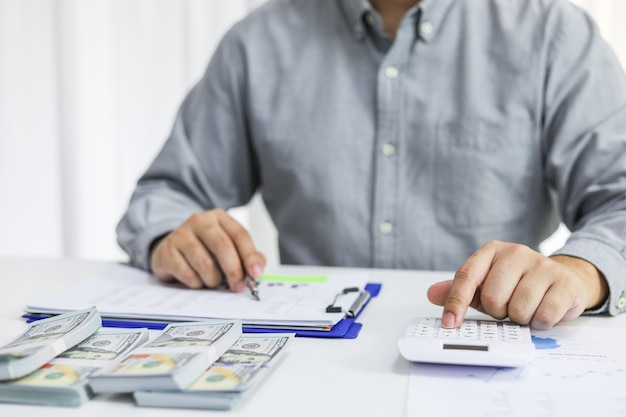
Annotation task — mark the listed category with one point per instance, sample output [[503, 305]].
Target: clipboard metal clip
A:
[[356, 306]]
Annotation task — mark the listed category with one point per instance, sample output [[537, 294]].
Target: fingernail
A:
[[239, 286], [448, 320], [256, 271]]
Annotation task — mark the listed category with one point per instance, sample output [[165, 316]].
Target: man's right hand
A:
[[206, 250]]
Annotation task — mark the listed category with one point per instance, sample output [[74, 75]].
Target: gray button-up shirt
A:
[[481, 120]]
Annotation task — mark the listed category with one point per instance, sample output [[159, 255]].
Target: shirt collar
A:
[[432, 12], [354, 12]]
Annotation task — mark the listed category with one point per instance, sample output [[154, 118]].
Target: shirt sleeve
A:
[[207, 161], [585, 146]]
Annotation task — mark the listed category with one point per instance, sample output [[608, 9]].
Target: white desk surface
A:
[[317, 377]]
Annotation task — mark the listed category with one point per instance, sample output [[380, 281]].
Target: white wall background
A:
[[88, 94]]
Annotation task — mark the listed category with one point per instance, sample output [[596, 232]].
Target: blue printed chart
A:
[[576, 371]]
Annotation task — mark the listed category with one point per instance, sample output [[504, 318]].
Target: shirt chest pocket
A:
[[486, 174]]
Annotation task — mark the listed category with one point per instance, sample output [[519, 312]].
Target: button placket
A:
[[389, 118]]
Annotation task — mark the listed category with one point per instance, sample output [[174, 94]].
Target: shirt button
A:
[[370, 19], [426, 28], [621, 303], [386, 228], [358, 28], [391, 72], [388, 149]]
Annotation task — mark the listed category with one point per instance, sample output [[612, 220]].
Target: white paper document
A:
[[128, 293], [576, 371]]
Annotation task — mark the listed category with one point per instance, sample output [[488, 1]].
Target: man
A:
[[398, 134]]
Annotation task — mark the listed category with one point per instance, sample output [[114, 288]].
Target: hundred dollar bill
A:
[[236, 369], [64, 380], [225, 382], [45, 339], [173, 360]]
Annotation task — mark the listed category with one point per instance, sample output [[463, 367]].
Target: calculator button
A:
[[447, 333], [468, 330], [423, 330], [488, 331], [511, 332]]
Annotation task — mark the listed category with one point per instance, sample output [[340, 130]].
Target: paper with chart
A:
[[128, 293], [576, 371]]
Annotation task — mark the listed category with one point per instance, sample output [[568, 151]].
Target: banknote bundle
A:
[[64, 380], [225, 383], [172, 360], [45, 339]]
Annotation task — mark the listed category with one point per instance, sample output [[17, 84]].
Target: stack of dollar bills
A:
[[224, 384], [172, 360], [45, 339], [64, 380], [66, 359]]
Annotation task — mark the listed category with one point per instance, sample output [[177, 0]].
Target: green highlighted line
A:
[[299, 279]]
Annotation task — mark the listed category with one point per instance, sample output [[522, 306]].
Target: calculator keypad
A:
[[485, 330]]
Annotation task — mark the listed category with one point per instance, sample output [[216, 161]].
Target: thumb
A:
[[438, 293]]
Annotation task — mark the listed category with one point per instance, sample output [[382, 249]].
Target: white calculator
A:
[[475, 342]]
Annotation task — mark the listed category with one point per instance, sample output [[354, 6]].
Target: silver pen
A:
[[252, 285], [358, 304]]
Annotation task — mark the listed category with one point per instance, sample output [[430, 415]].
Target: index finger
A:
[[466, 281], [252, 260]]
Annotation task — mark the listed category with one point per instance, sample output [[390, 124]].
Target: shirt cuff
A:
[[139, 250], [610, 262]]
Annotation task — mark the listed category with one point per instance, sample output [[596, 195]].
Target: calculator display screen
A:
[[465, 347]]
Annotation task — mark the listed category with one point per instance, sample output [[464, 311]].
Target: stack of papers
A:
[[286, 302]]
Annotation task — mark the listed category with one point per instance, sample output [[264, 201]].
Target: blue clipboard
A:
[[346, 328]]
